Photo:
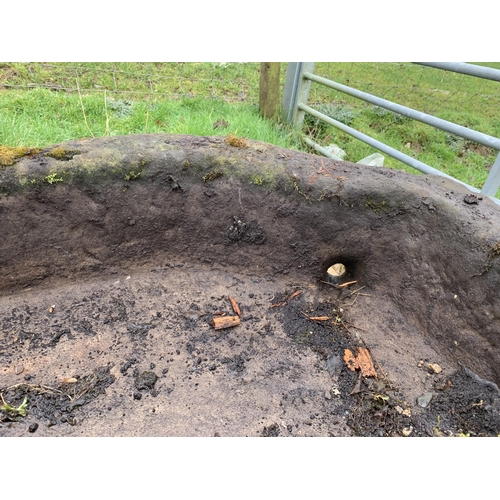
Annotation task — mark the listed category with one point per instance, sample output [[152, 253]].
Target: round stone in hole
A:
[[335, 273]]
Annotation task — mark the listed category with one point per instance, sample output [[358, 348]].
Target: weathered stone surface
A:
[[428, 256]]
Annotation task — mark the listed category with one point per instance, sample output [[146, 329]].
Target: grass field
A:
[[465, 100], [46, 103]]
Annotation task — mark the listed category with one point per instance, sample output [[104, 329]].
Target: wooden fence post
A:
[[269, 89]]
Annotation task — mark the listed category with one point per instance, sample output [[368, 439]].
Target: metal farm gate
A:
[[298, 82]]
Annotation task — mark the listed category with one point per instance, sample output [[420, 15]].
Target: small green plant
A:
[[132, 176], [455, 142], [11, 412], [52, 178], [380, 401], [257, 180], [120, 109], [211, 176]]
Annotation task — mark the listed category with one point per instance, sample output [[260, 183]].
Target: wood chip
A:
[[225, 322]]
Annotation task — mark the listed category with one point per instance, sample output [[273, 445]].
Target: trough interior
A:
[[134, 269]]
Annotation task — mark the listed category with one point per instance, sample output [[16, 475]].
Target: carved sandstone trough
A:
[[201, 219]]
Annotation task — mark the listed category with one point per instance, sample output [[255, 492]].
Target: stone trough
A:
[[124, 249]]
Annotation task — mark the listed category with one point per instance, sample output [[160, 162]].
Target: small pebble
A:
[[434, 368], [424, 399], [33, 427]]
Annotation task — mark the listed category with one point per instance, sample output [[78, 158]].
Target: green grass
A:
[[461, 99], [40, 105], [40, 117]]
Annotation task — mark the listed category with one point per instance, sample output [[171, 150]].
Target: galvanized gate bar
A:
[[412, 162], [492, 184], [472, 135], [465, 69], [319, 149], [296, 90]]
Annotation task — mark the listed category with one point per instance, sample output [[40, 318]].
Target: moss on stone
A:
[[9, 155], [495, 250], [376, 206], [59, 153]]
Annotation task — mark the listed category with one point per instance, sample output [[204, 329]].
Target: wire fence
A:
[[232, 82], [430, 90]]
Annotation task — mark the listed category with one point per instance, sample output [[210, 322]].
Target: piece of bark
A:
[[235, 306], [225, 322], [365, 363], [362, 361], [350, 360]]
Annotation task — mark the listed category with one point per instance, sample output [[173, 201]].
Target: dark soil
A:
[[111, 278]]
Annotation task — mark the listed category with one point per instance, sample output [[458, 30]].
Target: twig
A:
[[81, 103], [331, 284], [358, 328], [316, 318], [235, 306], [352, 303], [278, 304], [282, 303], [347, 284], [295, 294], [35, 387]]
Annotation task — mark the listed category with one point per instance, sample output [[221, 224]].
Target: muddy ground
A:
[[112, 277]]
